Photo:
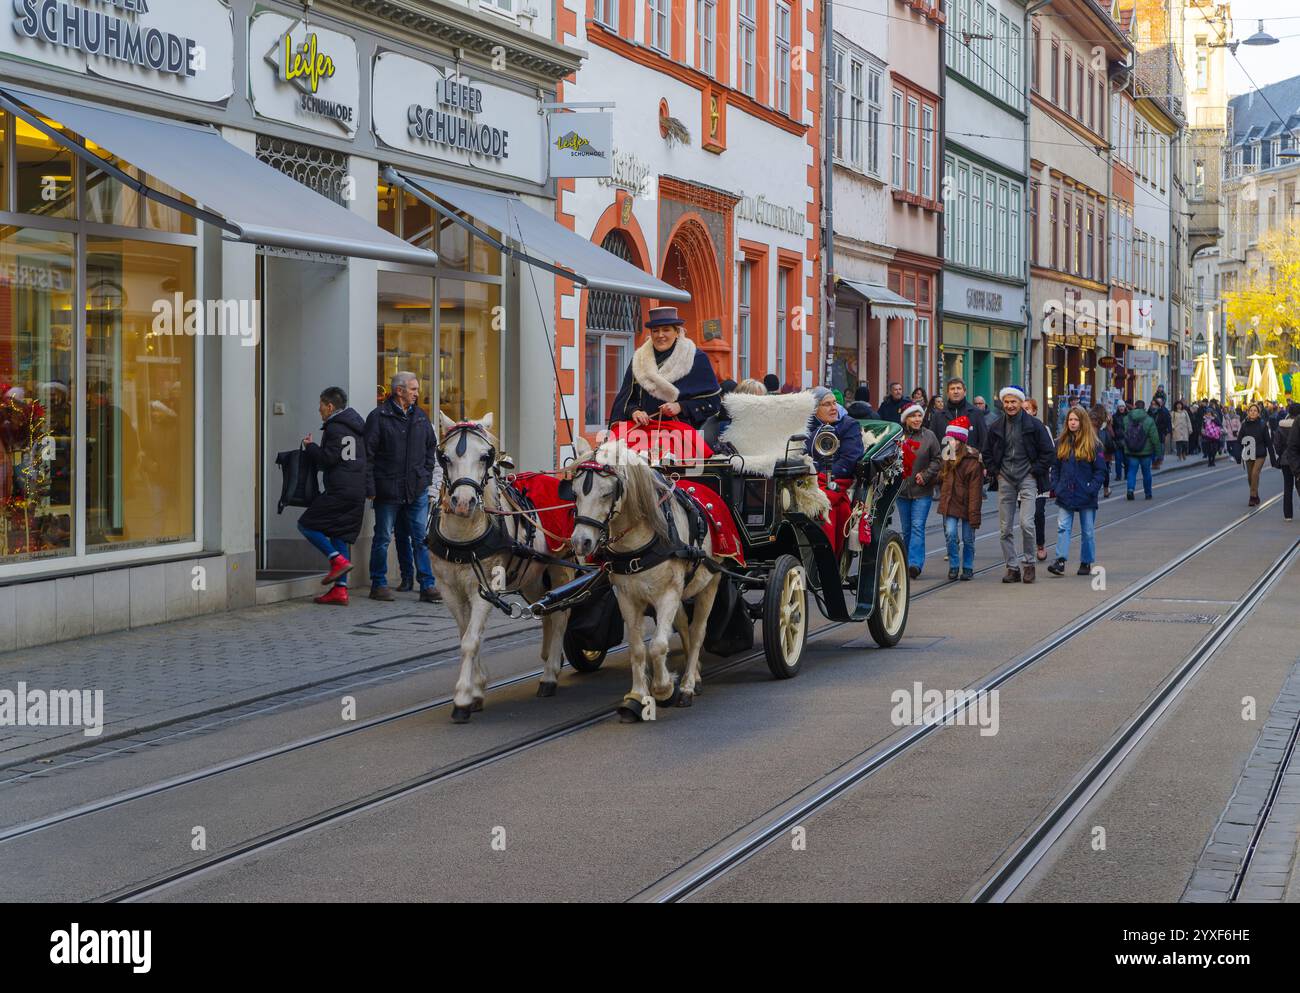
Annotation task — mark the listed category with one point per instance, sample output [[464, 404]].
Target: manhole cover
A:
[[1143, 615]]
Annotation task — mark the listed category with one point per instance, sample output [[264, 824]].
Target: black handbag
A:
[[298, 485], [597, 624]]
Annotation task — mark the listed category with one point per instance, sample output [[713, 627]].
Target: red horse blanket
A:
[[722, 526], [660, 438], [556, 516]]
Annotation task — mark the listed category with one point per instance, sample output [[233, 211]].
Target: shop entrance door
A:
[[303, 349]]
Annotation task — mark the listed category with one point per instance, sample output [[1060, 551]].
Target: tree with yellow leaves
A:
[[1270, 305]]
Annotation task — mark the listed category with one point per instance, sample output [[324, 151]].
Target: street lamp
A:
[[1260, 37]]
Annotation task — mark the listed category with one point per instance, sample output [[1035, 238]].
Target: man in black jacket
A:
[[333, 520], [1017, 450], [958, 406], [402, 457], [894, 403]]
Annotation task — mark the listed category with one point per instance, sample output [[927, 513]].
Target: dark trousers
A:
[[1211, 449], [1288, 482], [1040, 518]]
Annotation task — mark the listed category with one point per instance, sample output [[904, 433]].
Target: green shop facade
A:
[[983, 332]]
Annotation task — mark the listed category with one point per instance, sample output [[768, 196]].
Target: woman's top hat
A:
[[662, 317]]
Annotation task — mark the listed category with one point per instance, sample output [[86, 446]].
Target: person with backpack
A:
[[333, 520], [1077, 477], [961, 492], [1141, 442]]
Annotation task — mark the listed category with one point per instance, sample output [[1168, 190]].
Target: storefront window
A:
[[44, 174], [37, 363], [139, 396], [405, 333], [471, 322], [109, 201]]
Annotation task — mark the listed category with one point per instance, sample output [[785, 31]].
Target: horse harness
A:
[[496, 538], [659, 549]]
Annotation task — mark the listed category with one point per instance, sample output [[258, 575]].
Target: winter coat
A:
[[1106, 443], [685, 377], [950, 412], [891, 408], [1231, 426], [1258, 430], [1152, 445], [403, 453], [961, 489], [338, 510], [1038, 447], [1289, 445], [1164, 423], [921, 456], [843, 463], [1182, 425], [1076, 484], [1117, 429]]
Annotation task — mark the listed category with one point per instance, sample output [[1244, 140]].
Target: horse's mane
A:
[[642, 486]]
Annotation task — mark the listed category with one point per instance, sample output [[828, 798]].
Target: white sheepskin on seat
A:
[[761, 427]]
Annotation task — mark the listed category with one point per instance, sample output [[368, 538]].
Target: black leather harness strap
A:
[[661, 549]]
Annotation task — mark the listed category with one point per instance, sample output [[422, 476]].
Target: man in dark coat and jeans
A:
[[402, 457], [333, 520], [1017, 452], [959, 406]]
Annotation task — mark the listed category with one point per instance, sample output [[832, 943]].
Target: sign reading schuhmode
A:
[[303, 75], [181, 47], [426, 110]]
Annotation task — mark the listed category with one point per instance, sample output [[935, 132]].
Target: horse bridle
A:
[[461, 431], [589, 470]]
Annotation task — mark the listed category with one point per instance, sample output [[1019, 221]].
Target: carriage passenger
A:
[[830, 416], [668, 377]]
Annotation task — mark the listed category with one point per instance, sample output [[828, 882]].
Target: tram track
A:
[[354, 807], [208, 721], [216, 770], [1008, 876], [715, 862]]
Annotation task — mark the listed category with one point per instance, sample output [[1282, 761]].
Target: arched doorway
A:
[[691, 263]]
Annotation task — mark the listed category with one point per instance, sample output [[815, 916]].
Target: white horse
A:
[[620, 501], [467, 532]]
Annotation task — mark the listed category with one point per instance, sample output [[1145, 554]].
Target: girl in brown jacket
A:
[[961, 491]]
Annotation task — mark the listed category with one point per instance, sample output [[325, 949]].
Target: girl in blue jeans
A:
[[961, 492], [920, 470], [1077, 477]]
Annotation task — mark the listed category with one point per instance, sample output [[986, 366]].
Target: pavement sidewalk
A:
[[185, 669]]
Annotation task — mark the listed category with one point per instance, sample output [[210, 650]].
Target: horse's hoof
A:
[[460, 715], [546, 689], [629, 712], [476, 706], [685, 699], [673, 697]]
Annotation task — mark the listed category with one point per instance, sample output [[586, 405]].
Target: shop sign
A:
[[762, 211], [1187, 367], [627, 173], [979, 298], [1141, 361], [428, 110], [303, 75], [581, 144], [180, 47]]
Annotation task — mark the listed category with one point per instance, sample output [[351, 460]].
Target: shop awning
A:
[[534, 238], [885, 303], [248, 199]]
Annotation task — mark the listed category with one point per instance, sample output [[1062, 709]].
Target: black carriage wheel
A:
[[583, 659], [892, 595], [785, 617]]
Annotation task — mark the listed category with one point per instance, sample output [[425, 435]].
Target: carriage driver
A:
[[668, 377]]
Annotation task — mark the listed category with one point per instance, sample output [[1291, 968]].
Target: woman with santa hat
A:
[[920, 470]]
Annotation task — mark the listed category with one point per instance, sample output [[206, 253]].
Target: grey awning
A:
[[885, 303], [247, 198], [537, 239]]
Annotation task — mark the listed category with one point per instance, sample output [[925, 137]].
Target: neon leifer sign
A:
[[95, 32], [444, 127]]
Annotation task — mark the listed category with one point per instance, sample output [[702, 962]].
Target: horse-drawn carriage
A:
[[715, 545]]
